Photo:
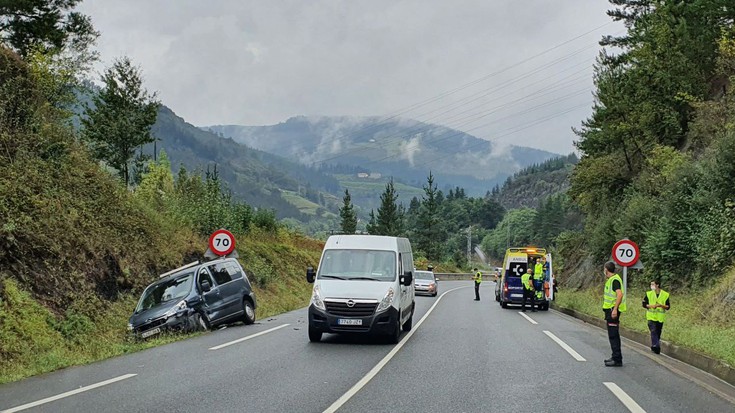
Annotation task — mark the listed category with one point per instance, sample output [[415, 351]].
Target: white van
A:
[[364, 284]]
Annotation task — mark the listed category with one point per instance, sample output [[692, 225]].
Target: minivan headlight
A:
[[316, 298], [387, 300], [175, 309]]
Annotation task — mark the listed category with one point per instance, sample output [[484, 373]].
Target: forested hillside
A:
[[658, 152], [531, 185]]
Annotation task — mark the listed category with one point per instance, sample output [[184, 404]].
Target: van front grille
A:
[[358, 309]]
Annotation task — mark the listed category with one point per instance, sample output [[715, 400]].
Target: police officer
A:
[[478, 281], [656, 303], [528, 291], [613, 304]]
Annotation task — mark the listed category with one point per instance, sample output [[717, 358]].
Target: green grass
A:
[[689, 323]]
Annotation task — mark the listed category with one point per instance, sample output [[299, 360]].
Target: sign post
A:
[[222, 242], [626, 253]]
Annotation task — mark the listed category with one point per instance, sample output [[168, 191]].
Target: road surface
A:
[[461, 356]]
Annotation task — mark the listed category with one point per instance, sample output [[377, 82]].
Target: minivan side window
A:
[[234, 271], [406, 262], [219, 272], [204, 276]]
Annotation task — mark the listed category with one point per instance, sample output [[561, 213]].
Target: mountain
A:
[[257, 177], [530, 186], [403, 148]]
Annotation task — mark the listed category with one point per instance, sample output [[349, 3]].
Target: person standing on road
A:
[[656, 303], [613, 304], [538, 278], [528, 290], [478, 281]]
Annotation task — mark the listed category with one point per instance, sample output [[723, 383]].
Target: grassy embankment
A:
[[40, 340], [698, 320]]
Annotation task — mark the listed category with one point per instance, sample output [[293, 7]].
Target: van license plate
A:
[[517, 295], [150, 332], [349, 322]]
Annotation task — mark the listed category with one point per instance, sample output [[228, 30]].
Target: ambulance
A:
[[516, 263]]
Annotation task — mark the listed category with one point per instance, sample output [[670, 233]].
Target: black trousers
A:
[[526, 295], [655, 327], [477, 290], [613, 334]]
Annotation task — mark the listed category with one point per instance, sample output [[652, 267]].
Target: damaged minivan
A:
[[197, 296]]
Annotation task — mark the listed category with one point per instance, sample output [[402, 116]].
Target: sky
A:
[[511, 71]]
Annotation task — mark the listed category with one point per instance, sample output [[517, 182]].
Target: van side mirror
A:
[[310, 275], [407, 278], [206, 287]]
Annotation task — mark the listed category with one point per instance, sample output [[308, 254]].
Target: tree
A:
[[348, 215], [26, 25], [119, 120], [389, 220], [428, 227]]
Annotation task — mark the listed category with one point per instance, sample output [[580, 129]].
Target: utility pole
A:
[[469, 245]]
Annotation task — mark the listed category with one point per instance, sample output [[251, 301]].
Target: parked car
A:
[[197, 296], [364, 284], [425, 283]]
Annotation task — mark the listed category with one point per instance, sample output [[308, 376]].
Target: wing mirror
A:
[[407, 278], [310, 275]]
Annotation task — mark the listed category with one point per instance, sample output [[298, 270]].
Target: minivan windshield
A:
[[358, 264], [168, 290]]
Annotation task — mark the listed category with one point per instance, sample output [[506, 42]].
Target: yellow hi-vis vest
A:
[[478, 277], [610, 296], [656, 314], [526, 281], [538, 272]]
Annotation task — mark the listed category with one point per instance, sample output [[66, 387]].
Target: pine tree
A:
[[428, 227], [389, 220], [119, 120], [348, 215]]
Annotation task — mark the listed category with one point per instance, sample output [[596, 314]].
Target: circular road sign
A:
[[222, 242], [626, 252]]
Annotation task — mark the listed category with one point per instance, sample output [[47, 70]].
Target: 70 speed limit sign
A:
[[626, 253], [222, 242]]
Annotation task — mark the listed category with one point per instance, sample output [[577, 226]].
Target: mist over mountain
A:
[[403, 148]]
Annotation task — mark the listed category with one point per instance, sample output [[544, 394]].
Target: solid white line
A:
[[239, 340], [565, 346], [530, 320], [375, 370], [67, 394], [623, 396]]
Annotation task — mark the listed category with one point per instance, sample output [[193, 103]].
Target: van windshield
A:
[[358, 264], [162, 292]]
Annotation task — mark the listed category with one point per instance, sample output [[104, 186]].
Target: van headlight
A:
[[178, 307], [387, 300], [316, 299]]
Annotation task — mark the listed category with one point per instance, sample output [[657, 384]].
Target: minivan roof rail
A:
[[189, 265]]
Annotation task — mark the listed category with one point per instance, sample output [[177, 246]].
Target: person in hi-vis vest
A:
[[613, 304], [478, 281], [656, 302]]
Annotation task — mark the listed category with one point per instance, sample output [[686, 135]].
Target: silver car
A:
[[425, 283]]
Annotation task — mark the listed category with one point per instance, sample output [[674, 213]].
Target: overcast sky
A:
[[261, 62]]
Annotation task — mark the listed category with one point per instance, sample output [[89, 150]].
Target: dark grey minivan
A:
[[197, 296]]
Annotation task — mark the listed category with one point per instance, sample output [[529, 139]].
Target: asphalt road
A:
[[464, 356]]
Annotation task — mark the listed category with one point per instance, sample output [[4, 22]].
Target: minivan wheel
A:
[[394, 337], [198, 323], [248, 312], [314, 336]]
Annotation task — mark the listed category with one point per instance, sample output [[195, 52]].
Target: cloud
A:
[[410, 149], [261, 62]]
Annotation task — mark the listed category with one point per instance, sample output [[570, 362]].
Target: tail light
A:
[[505, 287]]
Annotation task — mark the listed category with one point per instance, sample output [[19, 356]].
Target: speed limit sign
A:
[[222, 242], [626, 252]]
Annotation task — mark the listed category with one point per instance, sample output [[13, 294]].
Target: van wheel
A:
[[504, 304], [314, 336], [497, 298], [545, 307], [395, 336], [248, 312], [409, 323]]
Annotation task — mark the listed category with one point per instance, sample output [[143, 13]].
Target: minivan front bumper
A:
[[380, 323]]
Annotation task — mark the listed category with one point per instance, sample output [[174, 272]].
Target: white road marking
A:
[[375, 370], [623, 397], [565, 346], [67, 394], [530, 320], [239, 340]]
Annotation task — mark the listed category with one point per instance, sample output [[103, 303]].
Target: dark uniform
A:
[[528, 291], [612, 285]]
